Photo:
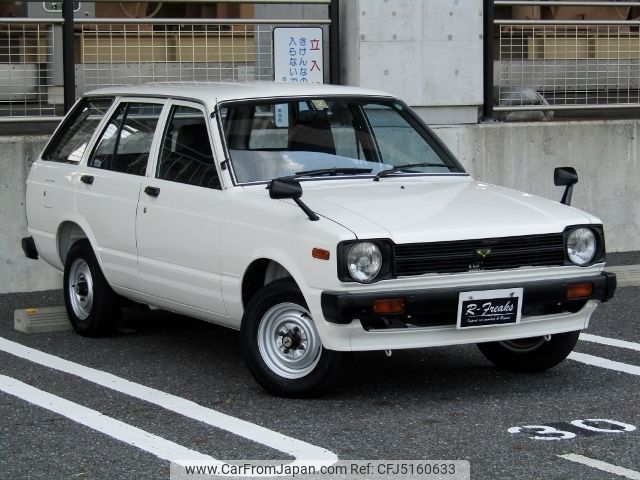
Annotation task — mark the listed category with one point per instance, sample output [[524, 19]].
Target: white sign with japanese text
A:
[[297, 54]]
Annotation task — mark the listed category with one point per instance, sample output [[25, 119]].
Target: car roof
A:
[[213, 93]]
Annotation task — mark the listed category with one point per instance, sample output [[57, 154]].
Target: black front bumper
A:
[[438, 306], [29, 248]]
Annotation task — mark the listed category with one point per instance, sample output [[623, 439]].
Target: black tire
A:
[[281, 306], [530, 354], [97, 315]]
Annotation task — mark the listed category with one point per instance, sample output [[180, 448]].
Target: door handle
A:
[[88, 179], [152, 191]]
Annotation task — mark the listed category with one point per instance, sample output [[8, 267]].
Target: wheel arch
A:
[[259, 273], [69, 232]]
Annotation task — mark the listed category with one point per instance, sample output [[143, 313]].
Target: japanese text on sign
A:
[[297, 55]]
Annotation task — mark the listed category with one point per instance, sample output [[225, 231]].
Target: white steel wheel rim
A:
[[80, 287], [523, 345], [288, 341]]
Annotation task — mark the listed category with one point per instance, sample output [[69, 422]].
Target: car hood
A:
[[431, 209]]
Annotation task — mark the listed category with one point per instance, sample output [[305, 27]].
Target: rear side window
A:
[[186, 155], [126, 140], [72, 138]]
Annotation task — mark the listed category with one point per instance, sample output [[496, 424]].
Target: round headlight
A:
[[364, 261], [581, 246]]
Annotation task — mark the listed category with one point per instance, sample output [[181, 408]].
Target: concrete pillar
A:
[[429, 52]]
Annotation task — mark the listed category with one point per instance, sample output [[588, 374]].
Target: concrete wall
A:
[[519, 155], [523, 156], [427, 52], [17, 273]]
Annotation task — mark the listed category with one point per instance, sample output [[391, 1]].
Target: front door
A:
[[178, 216]]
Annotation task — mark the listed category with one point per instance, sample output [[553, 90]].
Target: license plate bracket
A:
[[488, 308]]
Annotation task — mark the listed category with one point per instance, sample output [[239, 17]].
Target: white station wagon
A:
[[315, 219]]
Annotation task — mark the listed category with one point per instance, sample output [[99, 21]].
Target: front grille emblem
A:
[[483, 252], [476, 267]]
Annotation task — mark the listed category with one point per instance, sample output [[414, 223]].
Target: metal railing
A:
[[117, 52], [27, 51], [566, 64], [130, 51]]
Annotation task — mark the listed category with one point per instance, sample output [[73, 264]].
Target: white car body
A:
[[189, 249]]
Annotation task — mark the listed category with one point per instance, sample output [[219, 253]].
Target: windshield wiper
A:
[[333, 171], [401, 168]]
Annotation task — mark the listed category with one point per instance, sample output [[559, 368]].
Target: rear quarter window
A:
[[72, 138]]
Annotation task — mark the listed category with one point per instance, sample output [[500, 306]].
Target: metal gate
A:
[[561, 55], [47, 62]]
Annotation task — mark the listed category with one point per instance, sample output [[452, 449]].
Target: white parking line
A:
[[603, 466], [604, 363], [613, 342], [124, 432], [303, 452]]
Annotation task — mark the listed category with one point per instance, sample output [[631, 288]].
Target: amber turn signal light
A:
[[393, 305], [320, 254], [581, 290]]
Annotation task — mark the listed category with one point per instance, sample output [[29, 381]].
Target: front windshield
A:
[[268, 140]]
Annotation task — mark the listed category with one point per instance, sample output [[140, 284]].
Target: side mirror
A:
[[565, 176], [289, 187], [280, 188]]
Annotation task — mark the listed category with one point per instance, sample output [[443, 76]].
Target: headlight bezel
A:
[[600, 254], [386, 250]]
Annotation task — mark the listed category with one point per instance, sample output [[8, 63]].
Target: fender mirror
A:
[[568, 177], [280, 188], [289, 187]]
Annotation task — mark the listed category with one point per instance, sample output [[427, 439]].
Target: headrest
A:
[[191, 136], [315, 118]]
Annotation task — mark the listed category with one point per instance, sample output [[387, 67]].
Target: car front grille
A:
[[478, 255]]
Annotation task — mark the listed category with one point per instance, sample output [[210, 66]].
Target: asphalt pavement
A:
[[439, 403]]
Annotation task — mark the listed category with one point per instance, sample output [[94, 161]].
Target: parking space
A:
[[133, 413]]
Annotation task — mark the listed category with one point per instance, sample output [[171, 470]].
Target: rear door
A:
[[107, 197], [179, 215]]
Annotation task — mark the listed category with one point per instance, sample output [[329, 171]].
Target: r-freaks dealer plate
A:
[[486, 308]]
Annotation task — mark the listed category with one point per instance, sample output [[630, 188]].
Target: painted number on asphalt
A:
[[586, 427]]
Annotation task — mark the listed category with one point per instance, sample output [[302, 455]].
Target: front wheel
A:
[[281, 345], [534, 354]]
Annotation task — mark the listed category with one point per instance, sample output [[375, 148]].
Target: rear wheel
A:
[[533, 354], [91, 304], [281, 345]]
